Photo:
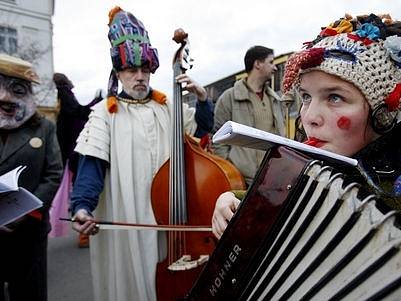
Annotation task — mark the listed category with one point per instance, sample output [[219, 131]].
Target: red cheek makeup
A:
[[344, 123]]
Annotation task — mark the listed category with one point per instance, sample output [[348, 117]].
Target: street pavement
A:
[[69, 276]]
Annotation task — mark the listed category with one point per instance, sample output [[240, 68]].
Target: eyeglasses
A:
[[18, 87]]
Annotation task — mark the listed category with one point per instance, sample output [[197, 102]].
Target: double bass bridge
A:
[[185, 263]]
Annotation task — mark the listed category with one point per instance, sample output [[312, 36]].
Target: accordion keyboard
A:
[[334, 245], [305, 232]]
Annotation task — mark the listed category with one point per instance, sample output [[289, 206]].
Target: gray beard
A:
[[138, 95], [25, 111]]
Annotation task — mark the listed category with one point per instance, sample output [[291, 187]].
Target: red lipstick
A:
[[312, 141]]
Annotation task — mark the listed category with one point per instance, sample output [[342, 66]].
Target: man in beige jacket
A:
[[251, 102]]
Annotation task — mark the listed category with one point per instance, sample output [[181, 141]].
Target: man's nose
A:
[[4, 94], [140, 75]]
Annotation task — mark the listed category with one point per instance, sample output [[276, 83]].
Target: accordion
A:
[[305, 232]]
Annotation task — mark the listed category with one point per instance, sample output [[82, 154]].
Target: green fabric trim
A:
[[134, 37], [239, 194], [137, 55]]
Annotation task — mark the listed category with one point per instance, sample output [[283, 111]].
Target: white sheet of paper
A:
[[9, 181]]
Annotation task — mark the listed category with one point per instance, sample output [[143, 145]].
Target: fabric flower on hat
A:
[[367, 33], [340, 26], [393, 46], [327, 32], [375, 20]]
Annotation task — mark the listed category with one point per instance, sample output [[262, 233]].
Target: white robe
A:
[[136, 142]]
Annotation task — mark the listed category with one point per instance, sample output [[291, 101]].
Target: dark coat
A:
[[70, 121], [23, 256], [34, 144]]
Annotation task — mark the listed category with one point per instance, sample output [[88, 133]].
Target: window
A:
[[8, 40], [278, 77]]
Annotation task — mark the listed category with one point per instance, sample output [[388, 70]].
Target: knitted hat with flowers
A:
[[130, 47], [365, 51]]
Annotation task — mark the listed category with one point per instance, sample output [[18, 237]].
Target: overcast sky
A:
[[220, 32]]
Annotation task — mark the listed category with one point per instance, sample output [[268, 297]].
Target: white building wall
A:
[[33, 21]]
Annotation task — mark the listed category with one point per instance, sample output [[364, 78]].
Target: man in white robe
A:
[[124, 143]]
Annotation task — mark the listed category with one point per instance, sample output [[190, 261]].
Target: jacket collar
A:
[[16, 140], [242, 91]]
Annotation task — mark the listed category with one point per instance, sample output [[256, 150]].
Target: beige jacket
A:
[[237, 104]]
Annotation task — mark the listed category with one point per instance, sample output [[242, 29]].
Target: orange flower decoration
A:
[[159, 97], [112, 105], [113, 12]]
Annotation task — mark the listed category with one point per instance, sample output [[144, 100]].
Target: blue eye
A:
[[335, 98], [306, 98]]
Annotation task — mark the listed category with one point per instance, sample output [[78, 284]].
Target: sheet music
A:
[[241, 135], [9, 181], [15, 201]]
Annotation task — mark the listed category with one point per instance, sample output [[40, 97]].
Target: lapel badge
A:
[[36, 142]]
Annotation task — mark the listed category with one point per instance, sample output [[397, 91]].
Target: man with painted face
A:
[[27, 139], [124, 143]]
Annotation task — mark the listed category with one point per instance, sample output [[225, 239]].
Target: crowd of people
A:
[[348, 80]]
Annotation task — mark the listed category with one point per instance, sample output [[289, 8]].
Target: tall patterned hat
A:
[[365, 51], [130, 47]]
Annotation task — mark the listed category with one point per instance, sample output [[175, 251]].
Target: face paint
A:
[[344, 123], [328, 106], [16, 102]]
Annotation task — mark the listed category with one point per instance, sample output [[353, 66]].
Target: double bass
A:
[[184, 192]]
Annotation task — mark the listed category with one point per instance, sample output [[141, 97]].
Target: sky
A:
[[220, 32]]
